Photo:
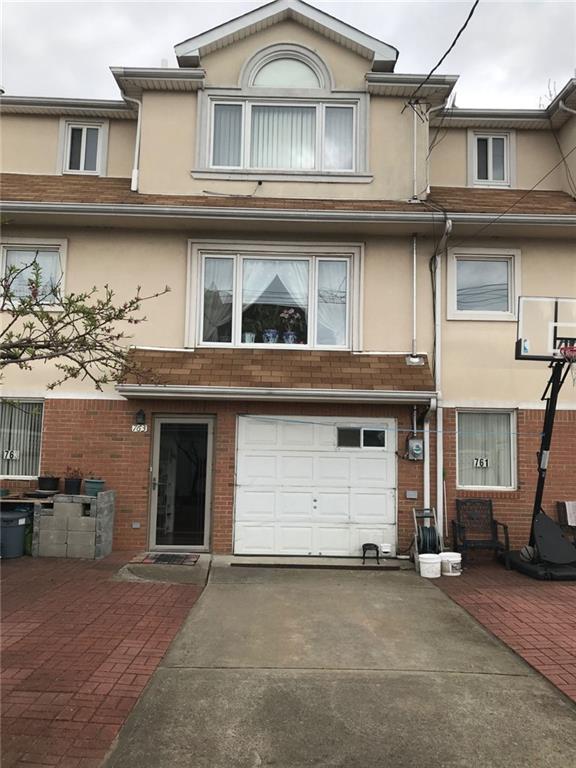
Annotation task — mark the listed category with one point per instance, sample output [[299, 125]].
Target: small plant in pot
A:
[[93, 485], [48, 482], [73, 481]]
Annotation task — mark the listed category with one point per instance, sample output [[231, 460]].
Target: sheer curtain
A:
[[283, 138], [276, 282], [338, 139], [484, 436], [20, 431], [48, 262], [227, 151], [332, 298], [218, 295]]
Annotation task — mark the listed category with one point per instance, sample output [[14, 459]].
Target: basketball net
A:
[[568, 352]]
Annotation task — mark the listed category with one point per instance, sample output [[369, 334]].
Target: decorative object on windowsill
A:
[[48, 482], [248, 337], [270, 336], [73, 481], [289, 337], [93, 486]]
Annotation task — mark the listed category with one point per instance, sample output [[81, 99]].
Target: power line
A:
[[460, 31]]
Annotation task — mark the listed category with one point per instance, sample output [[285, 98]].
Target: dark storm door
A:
[[180, 493]]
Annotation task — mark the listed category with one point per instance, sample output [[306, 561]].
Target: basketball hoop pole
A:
[[557, 379]]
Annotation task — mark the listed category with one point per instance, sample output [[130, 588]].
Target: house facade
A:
[[345, 254]]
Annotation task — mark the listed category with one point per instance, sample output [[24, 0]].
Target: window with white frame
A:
[[34, 267], [83, 150], [486, 449], [20, 435], [483, 283], [491, 159], [280, 298], [286, 118]]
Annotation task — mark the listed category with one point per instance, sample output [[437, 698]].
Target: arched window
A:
[[286, 73]]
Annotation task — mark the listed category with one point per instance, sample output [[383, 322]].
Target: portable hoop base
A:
[[542, 571]]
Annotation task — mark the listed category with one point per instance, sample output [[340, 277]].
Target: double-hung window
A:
[[84, 148], [490, 159], [283, 136], [293, 299], [34, 268], [20, 435], [483, 283], [486, 449]]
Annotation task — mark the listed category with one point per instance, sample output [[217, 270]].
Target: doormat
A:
[[165, 558]]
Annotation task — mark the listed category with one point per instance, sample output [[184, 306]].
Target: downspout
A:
[[563, 107], [136, 164], [427, 415], [414, 155], [414, 351], [442, 247]]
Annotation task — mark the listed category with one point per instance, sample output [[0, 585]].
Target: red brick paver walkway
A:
[[537, 619], [78, 648]]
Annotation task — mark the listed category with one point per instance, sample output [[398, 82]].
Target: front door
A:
[[181, 483]]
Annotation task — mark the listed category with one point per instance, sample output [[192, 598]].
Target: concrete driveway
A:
[[294, 669]]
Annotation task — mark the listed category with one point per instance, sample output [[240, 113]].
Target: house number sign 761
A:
[[481, 463], [10, 454]]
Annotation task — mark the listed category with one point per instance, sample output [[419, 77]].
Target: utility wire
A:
[[460, 31]]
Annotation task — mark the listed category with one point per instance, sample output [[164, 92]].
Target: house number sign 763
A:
[[481, 463]]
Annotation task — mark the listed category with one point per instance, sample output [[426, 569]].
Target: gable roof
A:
[[382, 55]]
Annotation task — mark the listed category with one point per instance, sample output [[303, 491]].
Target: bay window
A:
[[288, 299], [284, 137]]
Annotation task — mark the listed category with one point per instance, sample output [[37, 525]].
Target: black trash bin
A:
[[13, 526]]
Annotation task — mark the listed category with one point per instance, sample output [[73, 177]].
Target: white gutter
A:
[[276, 214], [136, 164], [273, 393], [442, 246], [564, 108]]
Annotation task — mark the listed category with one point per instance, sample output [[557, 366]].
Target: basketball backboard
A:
[[545, 324]]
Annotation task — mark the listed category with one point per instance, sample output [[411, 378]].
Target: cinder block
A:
[[52, 537], [51, 523], [81, 539], [82, 524], [80, 550], [52, 550], [65, 511]]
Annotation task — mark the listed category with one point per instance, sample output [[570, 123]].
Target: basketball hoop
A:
[[568, 353]]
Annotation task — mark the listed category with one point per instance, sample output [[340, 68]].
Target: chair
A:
[[566, 514], [476, 528]]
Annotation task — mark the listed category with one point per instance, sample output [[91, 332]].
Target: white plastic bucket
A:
[[429, 566], [451, 563]]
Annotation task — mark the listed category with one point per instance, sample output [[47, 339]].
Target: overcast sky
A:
[[507, 56]]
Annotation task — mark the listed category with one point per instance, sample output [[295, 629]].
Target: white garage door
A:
[[318, 486]]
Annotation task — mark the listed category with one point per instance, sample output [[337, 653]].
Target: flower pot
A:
[[46, 483], [270, 336], [289, 337], [72, 485], [248, 337], [93, 487]]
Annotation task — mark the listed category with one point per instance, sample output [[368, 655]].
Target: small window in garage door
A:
[[359, 437]]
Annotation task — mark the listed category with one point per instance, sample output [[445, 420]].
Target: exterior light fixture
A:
[[140, 417]]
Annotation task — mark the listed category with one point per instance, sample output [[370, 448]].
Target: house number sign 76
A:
[[481, 463]]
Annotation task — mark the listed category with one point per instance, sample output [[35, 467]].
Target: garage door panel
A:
[[294, 539], [373, 507], [333, 469], [376, 469], [385, 534], [255, 504], [332, 506], [297, 435], [294, 504], [258, 433], [258, 468], [294, 468], [332, 541], [255, 539]]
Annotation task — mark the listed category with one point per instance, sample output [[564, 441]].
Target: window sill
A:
[[67, 172], [281, 346], [486, 488], [491, 317], [492, 184], [296, 176]]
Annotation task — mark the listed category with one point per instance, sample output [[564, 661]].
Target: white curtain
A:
[[332, 299], [484, 438], [338, 139], [277, 282], [283, 138], [48, 262], [218, 295], [226, 150]]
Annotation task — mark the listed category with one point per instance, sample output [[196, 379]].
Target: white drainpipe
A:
[[414, 297], [136, 164]]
